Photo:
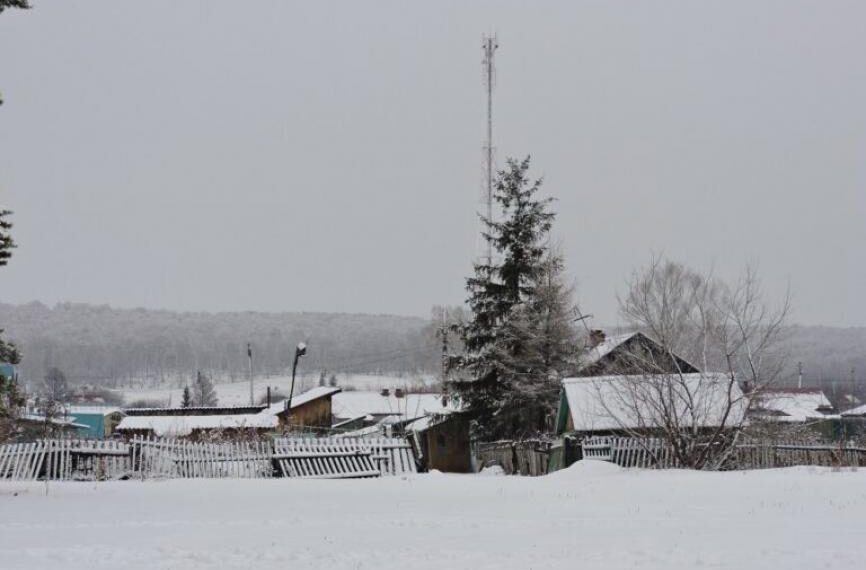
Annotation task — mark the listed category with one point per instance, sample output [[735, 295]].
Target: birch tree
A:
[[727, 330]]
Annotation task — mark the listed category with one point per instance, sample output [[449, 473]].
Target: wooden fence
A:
[[528, 457], [649, 453], [144, 457]]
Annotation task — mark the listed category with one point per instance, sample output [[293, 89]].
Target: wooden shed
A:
[[442, 442], [311, 409]]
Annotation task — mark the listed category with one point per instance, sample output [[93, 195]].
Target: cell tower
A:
[[489, 45]]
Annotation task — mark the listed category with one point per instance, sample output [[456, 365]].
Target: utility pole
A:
[[250, 371], [300, 351], [443, 332], [489, 45]]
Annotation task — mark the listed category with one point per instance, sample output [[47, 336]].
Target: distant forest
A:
[[97, 344], [100, 345]]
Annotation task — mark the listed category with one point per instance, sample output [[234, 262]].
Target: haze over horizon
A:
[[326, 157]]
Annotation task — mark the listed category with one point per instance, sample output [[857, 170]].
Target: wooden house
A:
[[629, 353], [603, 405]]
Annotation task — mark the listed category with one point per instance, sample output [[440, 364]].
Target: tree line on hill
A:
[[124, 347]]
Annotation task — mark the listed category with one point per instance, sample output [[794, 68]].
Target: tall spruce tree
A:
[[514, 341], [186, 399]]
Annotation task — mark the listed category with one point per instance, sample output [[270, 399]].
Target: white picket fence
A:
[[145, 457]]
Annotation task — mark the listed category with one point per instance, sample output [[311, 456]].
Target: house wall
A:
[[316, 413], [95, 425], [448, 446]]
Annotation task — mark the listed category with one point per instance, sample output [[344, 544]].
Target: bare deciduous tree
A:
[[728, 331]]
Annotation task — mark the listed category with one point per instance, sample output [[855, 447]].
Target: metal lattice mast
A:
[[489, 45]]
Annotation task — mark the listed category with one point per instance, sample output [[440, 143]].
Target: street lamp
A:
[[300, 351]]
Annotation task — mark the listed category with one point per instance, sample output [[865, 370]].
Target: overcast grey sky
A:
[[327, 155]]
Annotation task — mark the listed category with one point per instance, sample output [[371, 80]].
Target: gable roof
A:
[[594, 357], [858, 411], [792, 404], [601, 403]]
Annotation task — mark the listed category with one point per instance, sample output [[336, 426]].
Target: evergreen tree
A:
[[186, 400], [10, 396], [518, 337], [203, 393], [22, 4], [6, 242]]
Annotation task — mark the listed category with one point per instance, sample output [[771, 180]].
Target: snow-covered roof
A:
[[301, 399], [356, 404], [428, 421], [179, 426], [858, 411], [603, 403], [89, 410], [373, 430], [57, 421], [602, 349], [792, 404]]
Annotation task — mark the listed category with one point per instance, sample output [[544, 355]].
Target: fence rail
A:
[[144, 458], [650, 453]]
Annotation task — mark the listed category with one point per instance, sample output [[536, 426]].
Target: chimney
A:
[[398, 393], [385, 392], [596, 337]]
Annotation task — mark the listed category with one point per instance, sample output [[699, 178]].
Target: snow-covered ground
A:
[[238, 393], [590, 516]]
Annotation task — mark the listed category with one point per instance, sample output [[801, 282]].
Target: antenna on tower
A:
[[489, 45]]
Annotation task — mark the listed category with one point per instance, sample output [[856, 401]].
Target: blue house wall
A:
[[95, 424]]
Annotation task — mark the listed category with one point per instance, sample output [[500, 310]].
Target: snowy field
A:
[[238, 393], [590, 516]]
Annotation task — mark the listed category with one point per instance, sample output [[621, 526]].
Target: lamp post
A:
[[300, 351]]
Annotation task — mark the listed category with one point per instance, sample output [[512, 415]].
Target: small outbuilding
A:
[[313, 408], [442, 442]]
